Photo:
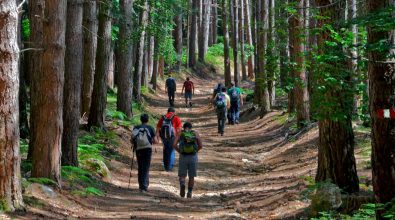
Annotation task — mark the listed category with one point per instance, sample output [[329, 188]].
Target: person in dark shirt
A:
[[171, 88], [143, 137]]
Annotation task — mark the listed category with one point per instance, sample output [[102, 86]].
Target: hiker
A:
[[222, 105], [189, 91], [217, 89], [143, 136], [236, 101], [187, 144], [168, 127], [171, 88]]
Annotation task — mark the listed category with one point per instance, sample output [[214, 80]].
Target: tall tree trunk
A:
[[90, 45], [213, 25], [156, 64], [249, 40], [10, 184], [192, 37], [36, 9], [144, 73], [72, 83], [47, 111], [203, 38], [242, 41], [336, 161], [236, 74], [99, 95], [23, 95], [272, 67], [111, 69], [296, 25], [261, 88], [381, 93], [141, 49], [124, 62], [353, 61], [151, 56], [228, 76], [178, 39]]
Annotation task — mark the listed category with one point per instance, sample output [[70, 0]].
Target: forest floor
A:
[[257, 170]]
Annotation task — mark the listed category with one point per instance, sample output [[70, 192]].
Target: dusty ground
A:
[[250, 173]]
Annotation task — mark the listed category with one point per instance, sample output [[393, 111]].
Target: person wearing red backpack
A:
[[189, 91]]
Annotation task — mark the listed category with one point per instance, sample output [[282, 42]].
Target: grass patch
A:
[[281, 119], [43, 181], [215, 55], [88, 191]]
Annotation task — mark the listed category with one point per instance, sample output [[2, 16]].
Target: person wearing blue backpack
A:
[[222, 104], [187, 144], [236, 101]]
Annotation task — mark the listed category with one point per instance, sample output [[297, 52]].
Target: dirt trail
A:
[[250, 173]]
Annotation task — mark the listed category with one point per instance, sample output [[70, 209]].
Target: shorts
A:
[[188, 95], [187, 165]]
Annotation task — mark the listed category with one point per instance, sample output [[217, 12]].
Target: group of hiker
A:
[[171, 88], [227, 103], [175, 137], [179, 137]]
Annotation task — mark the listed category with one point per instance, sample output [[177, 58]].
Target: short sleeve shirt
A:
[[177, 124], [150, 129]]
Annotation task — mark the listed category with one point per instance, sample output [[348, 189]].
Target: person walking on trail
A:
[[189, 91], [236, 101], [217, 89], [168, 127], [171, 88], [222, 105], [143, 137], [187, 144]]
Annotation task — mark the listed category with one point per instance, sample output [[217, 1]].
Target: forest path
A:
[[249, 173]]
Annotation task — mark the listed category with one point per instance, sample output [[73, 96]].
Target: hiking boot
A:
[[237, 122], [189, 195], [222, 133], [190, 104], [182, 191]]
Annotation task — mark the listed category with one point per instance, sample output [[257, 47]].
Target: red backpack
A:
[[188, 86]]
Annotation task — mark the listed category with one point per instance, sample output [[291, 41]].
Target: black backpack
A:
[[171, 84], [167, 130]]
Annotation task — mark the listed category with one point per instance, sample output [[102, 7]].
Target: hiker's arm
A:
[[182, 90], [199, 142], [175, 143], [193, 88], [241, 100]]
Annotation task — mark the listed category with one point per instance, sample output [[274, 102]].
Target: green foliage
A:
[[32, 201], [73, 174], [43, 181], [24, 147], [4, 206], [26, 28], [88, 191]]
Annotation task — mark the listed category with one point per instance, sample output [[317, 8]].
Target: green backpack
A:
[[188, 142]]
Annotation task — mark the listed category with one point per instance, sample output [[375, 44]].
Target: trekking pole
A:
[[131, 169]]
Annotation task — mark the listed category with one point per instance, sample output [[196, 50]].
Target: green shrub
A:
[[43, 181]]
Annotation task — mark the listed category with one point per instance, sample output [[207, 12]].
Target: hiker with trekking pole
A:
[[143, 137]]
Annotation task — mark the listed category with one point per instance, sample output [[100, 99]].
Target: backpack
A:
[[171, 84], [188, 86], [218, 89], [234, 96], [220, 101], [188, 142], [142, 137], [167, 130]]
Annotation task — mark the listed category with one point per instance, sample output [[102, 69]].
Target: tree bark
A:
[[141, 49], [353, 53], [124, 62], [228, 77], [72, 83], [242, 41], [203, 37], [249, 39], [36, 9], [381, 93], [236, 74], [10, 184], [192, 37], [213, 25], [271, 49], [156, 64], [178, 40], [47, 110], [90, 46], [336, 161], [99, 94], [261, 88], [299, 71]]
